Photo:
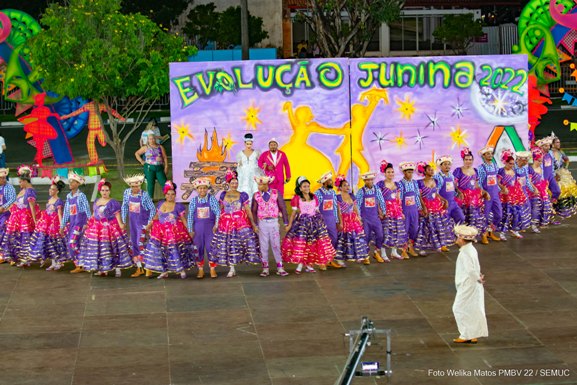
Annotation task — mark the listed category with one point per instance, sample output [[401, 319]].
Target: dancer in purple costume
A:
[[394, 221], [7, 199], [235, 240], [487, 173], [412, 204], [138, 208], [512, 197], [203, 215], [524, 179], [435, 228], [352, 244], [541, 207], [372, 207], [329, 209], [46, 242], [267, 205], [75, 215], [471, 198], [104, 244], [448, 189], [22, 221], [549, 170], [170, 248]]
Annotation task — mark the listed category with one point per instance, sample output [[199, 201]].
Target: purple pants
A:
[[136, 222], [269, 235], [203, 237], [374, 230], [456, 212], [331, 224], [494, 207], [412, 222], [554, 187]]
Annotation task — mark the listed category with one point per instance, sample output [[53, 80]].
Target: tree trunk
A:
[[118, 148]]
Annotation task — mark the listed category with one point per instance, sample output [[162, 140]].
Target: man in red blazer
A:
[[275, 163]]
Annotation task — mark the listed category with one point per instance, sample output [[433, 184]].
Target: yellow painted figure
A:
[[306, 159]]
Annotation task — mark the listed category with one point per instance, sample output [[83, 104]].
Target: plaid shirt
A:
[[146, 203], [214, 207], [83, 207], [93, 120], [8, 194]]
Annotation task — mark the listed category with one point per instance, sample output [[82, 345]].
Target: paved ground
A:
[[58, 328]]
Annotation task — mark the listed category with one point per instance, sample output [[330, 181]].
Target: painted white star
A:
[[379, 138], [459, 109], [433, 121], [499, 104], [419, 139]]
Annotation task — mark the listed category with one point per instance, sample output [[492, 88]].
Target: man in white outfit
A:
[[469, 305]]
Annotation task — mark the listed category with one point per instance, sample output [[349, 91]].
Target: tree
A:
[[202, 24], [205, 24], [229, 28], [90, 49], [339, 36], [163, 13], [459, 31]]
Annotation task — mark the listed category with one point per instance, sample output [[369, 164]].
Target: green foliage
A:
[[206, 24], [348, 36], [459, 31], [90, 49], [163, 13], [202, 23]]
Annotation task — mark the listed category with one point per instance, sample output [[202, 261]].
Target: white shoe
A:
[[183, 275], [395, 254], [516, 234], [118, 273], [162, 276], [231, 273], [502, 237], [535, 229]]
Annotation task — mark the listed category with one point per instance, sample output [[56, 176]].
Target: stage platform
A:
[[57, 328]]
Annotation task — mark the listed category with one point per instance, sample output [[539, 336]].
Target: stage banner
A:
[[214, 104], [327, 119], [418, 109]]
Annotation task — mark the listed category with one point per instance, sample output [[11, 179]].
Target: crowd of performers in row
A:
[[325, 228]]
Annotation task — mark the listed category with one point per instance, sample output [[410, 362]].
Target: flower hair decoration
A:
[[168, 186], [230, 175], [506, 155], [421, 166], [464, 152], [101, 183], [383, 166], [339, 180], [23, 170]]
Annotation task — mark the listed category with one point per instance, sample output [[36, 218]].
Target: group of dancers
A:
[[325, 228]]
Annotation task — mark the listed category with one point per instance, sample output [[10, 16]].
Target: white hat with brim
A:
[[404, 166], [264, 179], [486, 149], [523, 154], [4, 171], [368, 175], [443, 159], [198, 182], [134, 179], [325, 177], [76, 177], [468, 233]]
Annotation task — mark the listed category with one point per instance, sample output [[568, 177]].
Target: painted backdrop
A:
[[344, 115]]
